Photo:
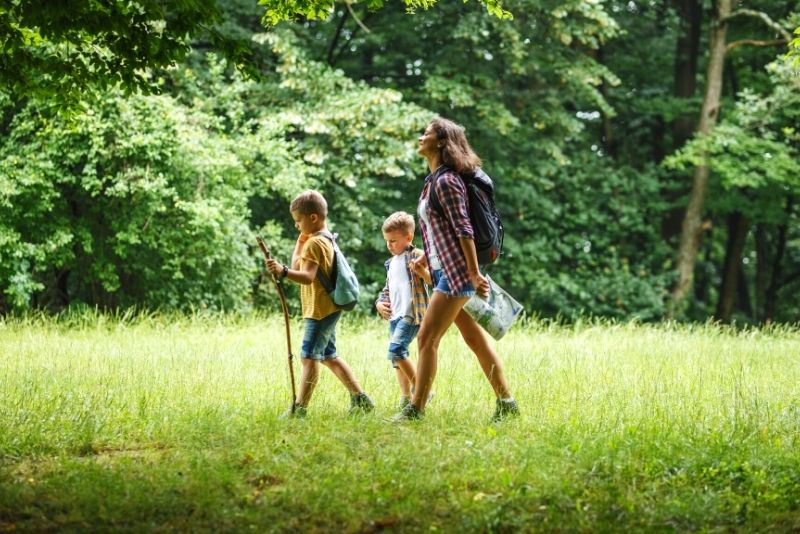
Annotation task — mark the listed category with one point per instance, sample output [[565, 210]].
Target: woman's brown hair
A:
[[456, 152]]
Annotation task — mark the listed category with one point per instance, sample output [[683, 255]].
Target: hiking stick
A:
[[285, 309]]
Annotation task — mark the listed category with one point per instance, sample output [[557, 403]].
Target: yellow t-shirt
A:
[[316, 302]]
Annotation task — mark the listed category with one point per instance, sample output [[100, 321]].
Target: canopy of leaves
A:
[[60, 51]]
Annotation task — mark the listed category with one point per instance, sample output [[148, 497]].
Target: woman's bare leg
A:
[[441, 313], [478, 342]]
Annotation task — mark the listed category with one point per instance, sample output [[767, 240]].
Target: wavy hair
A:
[[456, 152]]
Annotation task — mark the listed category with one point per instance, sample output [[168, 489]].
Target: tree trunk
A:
[[687, 49], [692, 228], [737, 233], [771, 300], [742, 294], [762, 269]]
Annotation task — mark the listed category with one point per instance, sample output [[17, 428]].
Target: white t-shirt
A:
[[399, 287], [433, 256]]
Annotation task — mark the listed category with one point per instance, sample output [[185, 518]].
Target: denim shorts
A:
[[319, 338], [440, 284], [402, 332]]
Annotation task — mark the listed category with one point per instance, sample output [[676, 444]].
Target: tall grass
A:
[[153, 422]]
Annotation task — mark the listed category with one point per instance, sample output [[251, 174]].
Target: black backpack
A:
[[483, 216]]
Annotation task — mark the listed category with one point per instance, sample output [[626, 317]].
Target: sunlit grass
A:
[[156, 422]]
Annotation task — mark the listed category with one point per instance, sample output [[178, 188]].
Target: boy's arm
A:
[[301, 271], [304, 275]]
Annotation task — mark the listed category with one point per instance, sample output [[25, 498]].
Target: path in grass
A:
[[171, 424]]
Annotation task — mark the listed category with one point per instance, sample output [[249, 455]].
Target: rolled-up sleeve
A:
[[453, 197]]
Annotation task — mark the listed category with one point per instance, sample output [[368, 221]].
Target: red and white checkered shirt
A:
[[444, 232]]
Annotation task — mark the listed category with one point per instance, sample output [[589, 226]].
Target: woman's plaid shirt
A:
[[419, 293], [446, 231]]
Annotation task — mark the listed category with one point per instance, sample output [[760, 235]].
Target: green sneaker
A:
[[295, 412], [505, 409], [361, 403], [409, 413]]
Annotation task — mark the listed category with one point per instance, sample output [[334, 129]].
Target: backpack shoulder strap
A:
[[328, 282], [433, 195]]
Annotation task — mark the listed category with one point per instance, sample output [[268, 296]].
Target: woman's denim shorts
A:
[[441, 285], [402, 332], [319, 338]]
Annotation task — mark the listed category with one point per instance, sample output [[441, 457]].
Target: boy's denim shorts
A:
[[402, 332], [319, 338], [441, 285]]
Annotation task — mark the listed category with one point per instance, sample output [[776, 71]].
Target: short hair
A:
[[399, 220], [310, 202]]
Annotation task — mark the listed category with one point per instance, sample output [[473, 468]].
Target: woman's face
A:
[[428, 142]]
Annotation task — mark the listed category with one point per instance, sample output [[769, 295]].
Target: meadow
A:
[[155, 423]]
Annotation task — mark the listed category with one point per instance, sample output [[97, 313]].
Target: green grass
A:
[[157, 423]]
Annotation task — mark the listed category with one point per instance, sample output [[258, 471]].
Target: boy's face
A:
[[397, 241], [306, 224]]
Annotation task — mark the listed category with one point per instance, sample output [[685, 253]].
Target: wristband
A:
[[285, 271]]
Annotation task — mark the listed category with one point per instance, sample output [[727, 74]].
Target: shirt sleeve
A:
[[313, 251], [453, 198]]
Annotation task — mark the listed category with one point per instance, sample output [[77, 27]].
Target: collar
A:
[[435, 173]]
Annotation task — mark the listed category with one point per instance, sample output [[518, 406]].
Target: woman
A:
[[450, 255]]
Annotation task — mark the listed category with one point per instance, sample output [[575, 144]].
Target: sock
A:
[[507, 399]]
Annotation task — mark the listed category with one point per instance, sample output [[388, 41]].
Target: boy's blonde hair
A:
[[310, 202], [399, 220]]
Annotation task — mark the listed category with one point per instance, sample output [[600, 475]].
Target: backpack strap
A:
[[433, 197], [328, 283]]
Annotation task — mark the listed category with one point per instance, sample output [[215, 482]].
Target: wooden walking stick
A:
[[285, 309]]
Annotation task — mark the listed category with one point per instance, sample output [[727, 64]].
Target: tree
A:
[[693, 225], [283, 10], [755, 153], [59, 53]]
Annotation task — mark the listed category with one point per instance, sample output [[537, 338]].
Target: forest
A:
[[645, 153]]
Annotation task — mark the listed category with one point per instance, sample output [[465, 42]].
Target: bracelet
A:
[[285, 272]]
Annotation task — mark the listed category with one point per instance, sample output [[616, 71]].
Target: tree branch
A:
[[335, 40], [759, 15], [754, 42], [352, 14]]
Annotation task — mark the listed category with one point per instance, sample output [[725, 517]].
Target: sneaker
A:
[[504, 409], [404, 401], [295, 412], [409, 413], [361, 403]]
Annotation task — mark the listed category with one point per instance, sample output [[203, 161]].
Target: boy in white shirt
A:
[[404, 298]]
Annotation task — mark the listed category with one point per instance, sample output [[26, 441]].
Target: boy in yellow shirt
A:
[[313, 251]]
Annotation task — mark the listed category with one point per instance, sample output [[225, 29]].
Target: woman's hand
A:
[[419, 266], [419, 262], [481, 284]]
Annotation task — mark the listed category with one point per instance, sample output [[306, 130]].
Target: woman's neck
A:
[[434, 162]]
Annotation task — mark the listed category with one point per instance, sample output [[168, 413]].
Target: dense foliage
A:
[[574, 107]]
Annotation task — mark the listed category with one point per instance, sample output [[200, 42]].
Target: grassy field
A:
[[171, 424]]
